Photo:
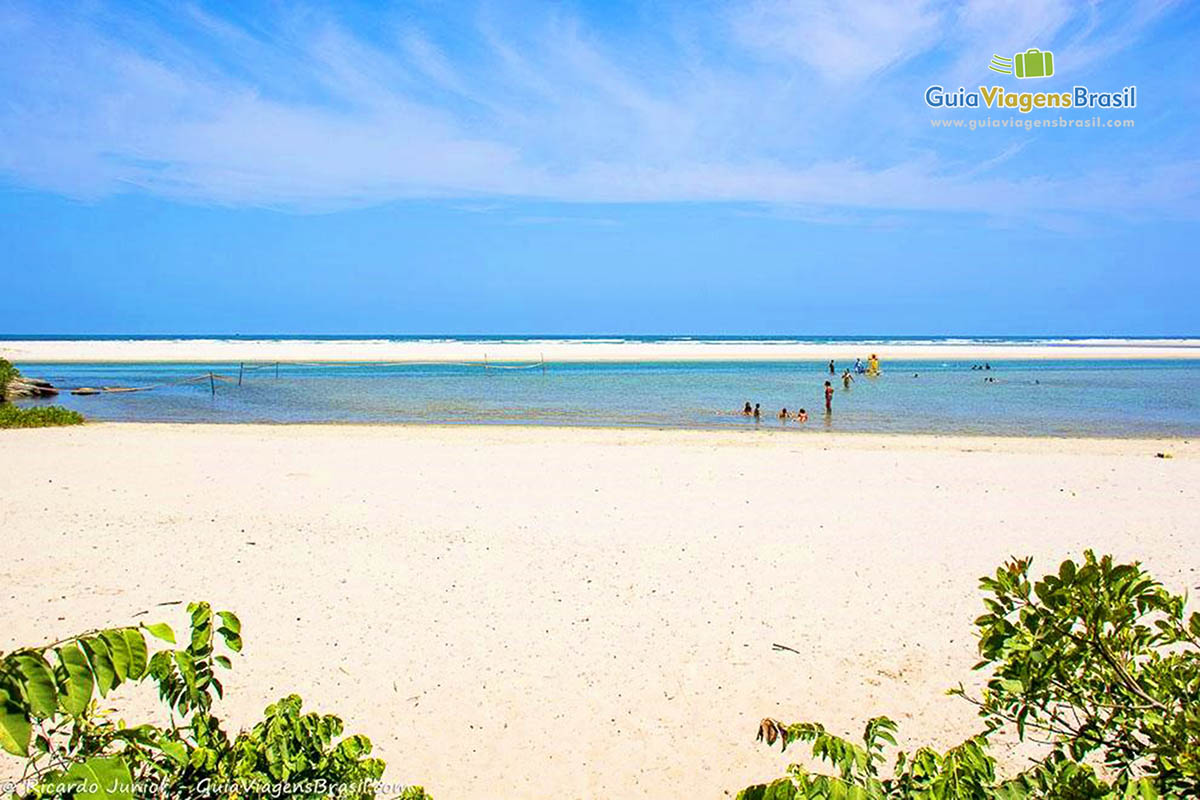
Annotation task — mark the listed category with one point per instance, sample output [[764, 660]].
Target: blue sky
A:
[[735, 168]]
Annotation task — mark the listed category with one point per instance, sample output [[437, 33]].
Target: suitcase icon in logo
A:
[[1034, 63]]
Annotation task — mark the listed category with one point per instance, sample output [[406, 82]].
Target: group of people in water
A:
[[870, 368], [756, 412]]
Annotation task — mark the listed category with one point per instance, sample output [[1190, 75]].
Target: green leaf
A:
[[174, 750], [15, 728], [140, 734], [137, 652], [187, 668], [201, 638], [118, 651], [201, 613], [229, 620], [223, 661], [232, 640], [102, 665], [39, 684], [74, 680], [161, 630], [101, 779]]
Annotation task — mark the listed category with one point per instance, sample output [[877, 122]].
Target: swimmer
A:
[[828, 398], [802, 416], [747, 411], [847, 378], [783, 414]]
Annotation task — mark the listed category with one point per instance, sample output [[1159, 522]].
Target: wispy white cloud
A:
[[788, 103], [840, 41], [1081, 33]]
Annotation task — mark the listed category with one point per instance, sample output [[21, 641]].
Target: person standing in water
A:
[[847, 378], [832, 368], [828, 397], [757, 413], [873, 365]]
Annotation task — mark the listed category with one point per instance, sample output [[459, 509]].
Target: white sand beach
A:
[[560, 350], [565, 613]]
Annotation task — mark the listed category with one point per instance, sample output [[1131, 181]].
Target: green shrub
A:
[[1098, 662], [49, 717], [37, 416], [7, 373]]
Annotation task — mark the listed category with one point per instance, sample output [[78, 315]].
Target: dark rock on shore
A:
[[21, 387]]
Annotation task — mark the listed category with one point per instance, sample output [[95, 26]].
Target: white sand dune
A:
[[227, 350], [556, 613]]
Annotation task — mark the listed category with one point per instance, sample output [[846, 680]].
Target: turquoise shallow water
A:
[[1041, 398]]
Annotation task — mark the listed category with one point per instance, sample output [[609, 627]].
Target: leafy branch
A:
[[1096, 660], [50, 717]]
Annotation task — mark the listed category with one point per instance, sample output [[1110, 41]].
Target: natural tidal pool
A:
[[1040, 398]]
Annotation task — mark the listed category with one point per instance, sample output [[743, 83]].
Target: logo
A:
[[1033, 63]]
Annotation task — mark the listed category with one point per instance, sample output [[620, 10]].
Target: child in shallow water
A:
[[802, 416], [783, 414]]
